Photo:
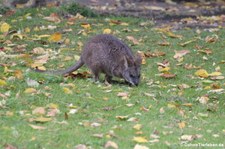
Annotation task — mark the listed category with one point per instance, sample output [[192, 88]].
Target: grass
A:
[[97, 103]]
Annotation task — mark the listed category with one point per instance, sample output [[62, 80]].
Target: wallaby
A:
[[107, 54]]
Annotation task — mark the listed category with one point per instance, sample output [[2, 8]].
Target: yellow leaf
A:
[[42, 119], [107, 31], [2, 83], [140, 139], [181, 125], [202, 73], [18, 74], [67, 90], [122, 117], [4, 27], [27, 30], [30, 90], [56, 37], [86, 26], [215, 74], [137, 126], [165, 69], [53, 106]]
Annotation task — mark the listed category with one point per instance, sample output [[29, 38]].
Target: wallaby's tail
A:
[[76, 66]]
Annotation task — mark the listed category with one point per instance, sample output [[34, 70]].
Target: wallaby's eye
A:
[[139, 76], [132, 76]]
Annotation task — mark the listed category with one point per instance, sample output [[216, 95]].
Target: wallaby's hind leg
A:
[[108, 79], [95, 75]]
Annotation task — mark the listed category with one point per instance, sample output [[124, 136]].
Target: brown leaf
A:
[[37, 127], [179, 54], [131, 38], [54, 17], [80, 146], [111, 144], [39, 111], [168, 76]]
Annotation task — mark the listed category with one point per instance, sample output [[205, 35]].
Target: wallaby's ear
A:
[[138, 59]]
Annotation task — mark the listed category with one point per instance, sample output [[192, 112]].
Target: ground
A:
[[179, 102]]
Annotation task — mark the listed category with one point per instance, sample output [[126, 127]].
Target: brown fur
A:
[[108, 55]]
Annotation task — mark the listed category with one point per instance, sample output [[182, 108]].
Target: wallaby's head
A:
[[131, 73]]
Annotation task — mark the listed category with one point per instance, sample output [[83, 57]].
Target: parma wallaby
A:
[[107, 54]]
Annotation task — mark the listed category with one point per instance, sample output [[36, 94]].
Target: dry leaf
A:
[[53, 18], [181, 125], [80, 146], [107, 31], [37, 127], [30, 90], [56, 37], [124, 95], [137, 127], [111, 144], [42, 119], [140, 139], [3, 82], [67, 90], [168, 76], [131, 38], [39, 111], [202, 73], [179, 54], [203, 99], [122, 117], [4, 27], [137, 146], [86, 26]]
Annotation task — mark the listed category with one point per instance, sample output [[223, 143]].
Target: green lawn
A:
[[171, 111]]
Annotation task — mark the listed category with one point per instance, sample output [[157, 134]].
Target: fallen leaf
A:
[[137, 146], [3, 83], [98, 135], [111, 144], [32, 83], [131, 38], [215, 74], [37, 127], [137, 127], [124, 95], [203, 99], [54, 17], [80, 146], [140, 139], [202, 73], [30, 90], [211, 39], [39, 111], [168, 76], [56, 37], [179, 54], [107, 31], [4, 27], [186, 138], [122, 117], [187, 42], [42, 119], [67, 90], [86, 26], [181, 125]]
